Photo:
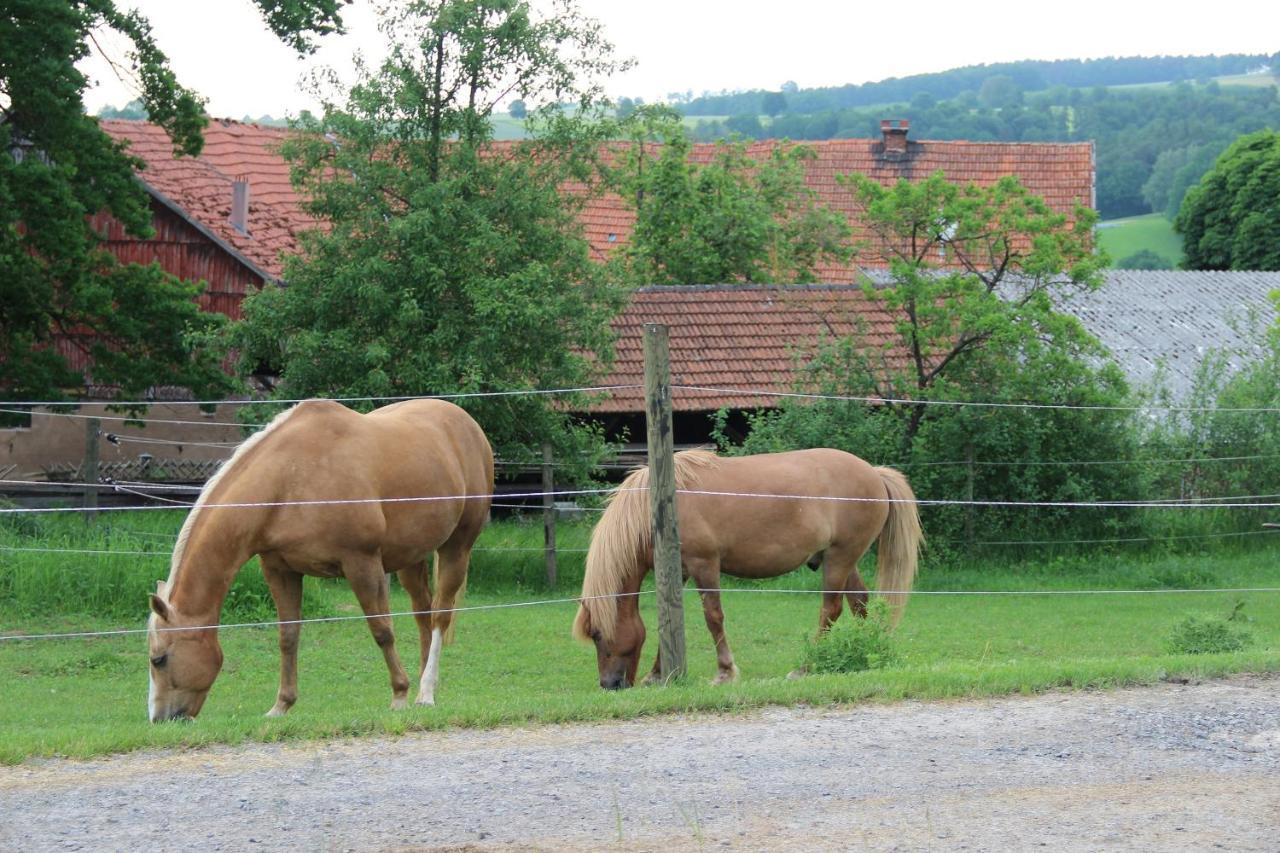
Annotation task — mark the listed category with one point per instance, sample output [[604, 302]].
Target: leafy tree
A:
[[518, 109], [1231, 219], [1234, 398], [1144, 259], [732, 219], [449, 264], [627, 106], [975, 275], [773, 103], [57, 167], [745, 124], [134, 110], [999, 92]]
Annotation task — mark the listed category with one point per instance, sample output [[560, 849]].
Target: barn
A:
[[229, 217]]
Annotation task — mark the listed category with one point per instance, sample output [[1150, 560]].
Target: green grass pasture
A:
[[518, 665], [1124, 237]]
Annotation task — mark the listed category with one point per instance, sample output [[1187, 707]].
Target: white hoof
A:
[[797, 673], [425, 699], [278, 710], [399, 703]]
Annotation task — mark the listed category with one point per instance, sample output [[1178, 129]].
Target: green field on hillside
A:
[[1124, 237]]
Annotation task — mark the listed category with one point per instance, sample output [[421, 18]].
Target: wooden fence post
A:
[[89, 470], [549, 513], [662, 501]]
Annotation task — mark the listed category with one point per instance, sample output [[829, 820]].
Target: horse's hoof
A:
[[399, 703], [725, 677], [797, 673], [278, 710], [651, 679], [427, 701]]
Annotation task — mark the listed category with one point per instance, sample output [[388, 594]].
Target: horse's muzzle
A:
[[179, 714], [615, 682]]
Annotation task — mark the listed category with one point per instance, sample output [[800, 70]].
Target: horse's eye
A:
[[595, 635], [159, 660]]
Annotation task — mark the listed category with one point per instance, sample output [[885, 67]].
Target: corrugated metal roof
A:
[[758, 337]]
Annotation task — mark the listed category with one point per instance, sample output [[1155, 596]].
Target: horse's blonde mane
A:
[[212, 483], [621, 541]]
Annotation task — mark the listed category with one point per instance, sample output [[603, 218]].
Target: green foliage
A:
[[57, 168], [985, 330], [1231, 219], [97, 584], [518, 109], [1029, 75], [736, 218], [447, 266], [853, 644], [1196, 635], [1144, 259], [1230, 437]]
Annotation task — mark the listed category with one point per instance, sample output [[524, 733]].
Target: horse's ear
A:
[[161, 608]]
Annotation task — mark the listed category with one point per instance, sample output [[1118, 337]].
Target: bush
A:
[[854, 645], [1144, 259], [1204, 636]]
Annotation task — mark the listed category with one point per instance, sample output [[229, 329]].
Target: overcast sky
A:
[[709, 45]]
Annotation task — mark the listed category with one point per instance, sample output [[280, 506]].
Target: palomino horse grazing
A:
[[723, 529], [328, 492]]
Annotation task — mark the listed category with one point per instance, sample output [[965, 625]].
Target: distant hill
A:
[[1027, 75]]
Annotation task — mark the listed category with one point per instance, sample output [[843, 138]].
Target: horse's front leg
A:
[[286, 591], [369, 582]]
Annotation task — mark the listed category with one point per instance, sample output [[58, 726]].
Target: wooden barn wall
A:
[[185, 252]]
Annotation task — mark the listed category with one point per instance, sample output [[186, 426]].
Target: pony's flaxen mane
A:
[[621, 540], [212, 483]]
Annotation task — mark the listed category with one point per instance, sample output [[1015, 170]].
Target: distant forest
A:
[[1152, 142], [1027, 75]]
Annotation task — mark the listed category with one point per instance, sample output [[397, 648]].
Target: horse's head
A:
[[618, 651], [184, 663]]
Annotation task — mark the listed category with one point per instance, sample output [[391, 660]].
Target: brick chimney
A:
[[894, 131], [240, 205]]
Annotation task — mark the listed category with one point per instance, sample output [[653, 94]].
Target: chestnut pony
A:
[[328, 492], [721, 530]]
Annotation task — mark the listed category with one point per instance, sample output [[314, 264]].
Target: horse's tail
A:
[[621, 544], [447, 637], [899, 547]]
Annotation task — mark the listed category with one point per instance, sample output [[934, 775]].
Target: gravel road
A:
[[1176, 766]]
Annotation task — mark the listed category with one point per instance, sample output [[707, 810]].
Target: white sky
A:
[[709, 45]]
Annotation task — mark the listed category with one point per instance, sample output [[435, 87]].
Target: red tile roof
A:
[[752, 337], [201, 186], [1061, 173]]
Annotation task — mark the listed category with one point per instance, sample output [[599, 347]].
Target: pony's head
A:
[[184, 663], [617, 646]]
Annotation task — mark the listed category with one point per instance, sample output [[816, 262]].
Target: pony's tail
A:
[[447, 636], [899, 546]]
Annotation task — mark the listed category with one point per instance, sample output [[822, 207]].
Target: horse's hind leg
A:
[[856, 594], [286, 591], [414, 580], [369, 582], [714, 615], [451, 576]]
